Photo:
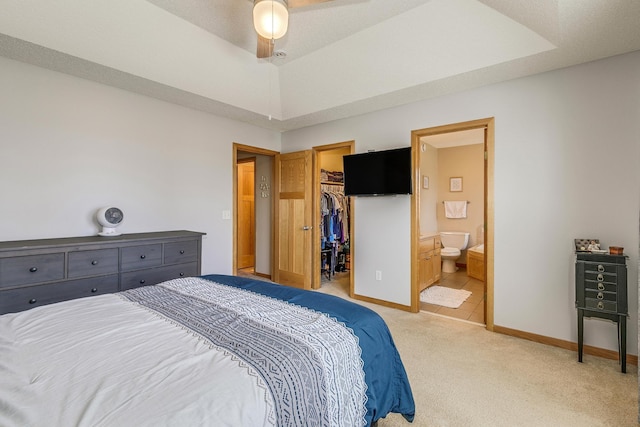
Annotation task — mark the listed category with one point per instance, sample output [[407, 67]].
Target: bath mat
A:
[[446, 297]]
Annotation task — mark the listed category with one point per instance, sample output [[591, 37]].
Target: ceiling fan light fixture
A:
[[270, 18]]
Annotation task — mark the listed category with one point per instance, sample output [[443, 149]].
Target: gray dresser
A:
[[39, 272]]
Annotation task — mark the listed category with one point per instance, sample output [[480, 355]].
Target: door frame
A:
[[253, 150], [488, 124], [315, 269]]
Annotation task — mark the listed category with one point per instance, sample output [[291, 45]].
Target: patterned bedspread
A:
[[309, 362], [388, 388]]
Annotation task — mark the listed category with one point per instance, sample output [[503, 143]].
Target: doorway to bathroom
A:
[[454, 170]]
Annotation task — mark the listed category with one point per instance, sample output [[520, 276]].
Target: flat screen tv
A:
[[378, 173]]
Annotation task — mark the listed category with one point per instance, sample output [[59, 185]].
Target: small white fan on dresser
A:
[[109, 218]]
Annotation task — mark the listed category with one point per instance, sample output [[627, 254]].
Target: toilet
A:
[[452, 243]]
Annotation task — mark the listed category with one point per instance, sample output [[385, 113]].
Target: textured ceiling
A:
[[343, 58]]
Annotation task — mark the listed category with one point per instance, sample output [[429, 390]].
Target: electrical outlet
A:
[[378, 275]]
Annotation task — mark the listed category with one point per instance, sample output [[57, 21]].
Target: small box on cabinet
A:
[[616, 250]]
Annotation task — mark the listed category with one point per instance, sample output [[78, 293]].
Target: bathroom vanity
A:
[[601, 292], [429, 262]]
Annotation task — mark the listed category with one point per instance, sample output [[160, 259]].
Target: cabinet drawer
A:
[[93, 263], [601, 277], [181, 252], [426, 245], [30, 269], [154, 276], [600, 295], [139, 257], [600, 267], [600, 305], [19, 299], [600, 286]]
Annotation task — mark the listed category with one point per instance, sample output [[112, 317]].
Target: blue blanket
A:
[[388, 388]]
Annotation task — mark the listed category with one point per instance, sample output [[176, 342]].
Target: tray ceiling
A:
[[343, 58]]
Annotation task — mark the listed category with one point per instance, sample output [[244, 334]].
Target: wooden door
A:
[[246, 213], [294, 207]]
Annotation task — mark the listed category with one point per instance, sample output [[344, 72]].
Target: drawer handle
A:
[[601, 305], [181, 274], [94, 290], [600, 268], [94, 262], [33, 301], [142, 281], [600, 287], [600, 295], [181, 251], [600, 277], [33, 269], [143, 256]]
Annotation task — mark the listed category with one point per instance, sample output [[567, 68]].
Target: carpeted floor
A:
[[463, 375]]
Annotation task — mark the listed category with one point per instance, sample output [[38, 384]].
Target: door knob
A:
[[307, 227]]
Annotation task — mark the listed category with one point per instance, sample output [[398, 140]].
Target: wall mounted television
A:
[[378, 173]]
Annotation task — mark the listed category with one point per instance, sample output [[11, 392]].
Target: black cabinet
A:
[[601, 292]]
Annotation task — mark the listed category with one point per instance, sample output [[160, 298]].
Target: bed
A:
[[210, 350]]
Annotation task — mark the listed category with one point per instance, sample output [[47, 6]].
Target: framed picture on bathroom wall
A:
[[455, 183]]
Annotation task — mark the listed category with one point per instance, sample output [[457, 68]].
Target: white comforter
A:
[[153, 372]]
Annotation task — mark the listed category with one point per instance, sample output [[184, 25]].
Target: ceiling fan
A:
[[271, 20]]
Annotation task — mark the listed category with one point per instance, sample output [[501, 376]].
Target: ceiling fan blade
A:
[[301, 3], [265, 47]]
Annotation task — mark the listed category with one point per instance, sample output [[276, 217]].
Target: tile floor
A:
[[472, 309]]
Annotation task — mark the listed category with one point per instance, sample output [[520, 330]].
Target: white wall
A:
[[264, 210], [69, 146], [566, 166]]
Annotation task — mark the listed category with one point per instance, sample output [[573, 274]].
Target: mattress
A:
[[216, 350]]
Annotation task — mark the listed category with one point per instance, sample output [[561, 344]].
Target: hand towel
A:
[[455, 208]]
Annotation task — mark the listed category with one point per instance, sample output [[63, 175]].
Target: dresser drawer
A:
[[600, 295], [23, 270], [135, 279], [601, 277], [139, 257], [93, 263], [181, 252], [19, 299], [600, 305], [601, 286], [601, 267]]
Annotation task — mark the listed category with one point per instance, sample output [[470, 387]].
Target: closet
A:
[[334, 217], [334, 228]]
